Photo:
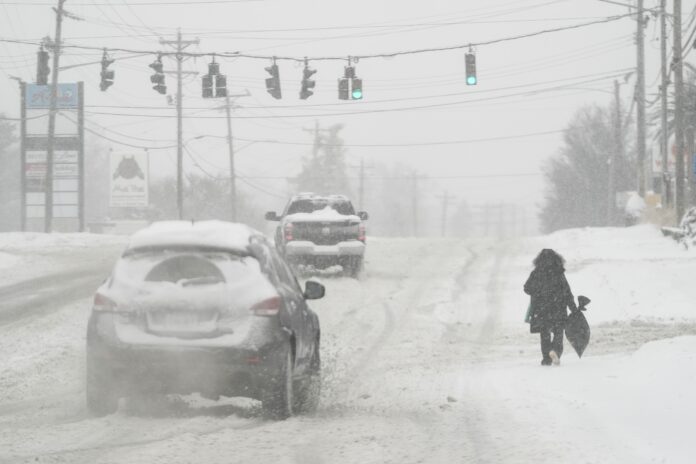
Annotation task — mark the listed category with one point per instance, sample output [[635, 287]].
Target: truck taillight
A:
[[102, 303], [288, 232], [361, 233], [267, 307]]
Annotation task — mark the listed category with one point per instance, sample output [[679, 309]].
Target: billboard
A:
[[67, 208], [129, 180]]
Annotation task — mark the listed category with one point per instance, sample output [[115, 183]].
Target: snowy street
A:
[[425, 360]]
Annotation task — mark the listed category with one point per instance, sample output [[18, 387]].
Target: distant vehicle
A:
[[205, 307], [321, 231]]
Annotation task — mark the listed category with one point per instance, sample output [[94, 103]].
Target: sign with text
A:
[[39, 96], [129, 180]]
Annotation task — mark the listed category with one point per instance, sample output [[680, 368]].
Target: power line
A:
[[344, 58]]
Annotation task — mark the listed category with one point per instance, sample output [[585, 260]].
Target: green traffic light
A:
[[471, 80], [357, 94]]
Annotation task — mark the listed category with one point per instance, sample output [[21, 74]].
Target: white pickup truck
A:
[[321, 231]]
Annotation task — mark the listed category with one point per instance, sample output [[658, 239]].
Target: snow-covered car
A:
[[321, 231], [206, 307]]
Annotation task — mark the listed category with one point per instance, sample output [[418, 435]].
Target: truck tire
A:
[[354, 267]]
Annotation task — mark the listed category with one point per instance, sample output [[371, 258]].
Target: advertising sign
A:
[[39, 96], [129, 180]]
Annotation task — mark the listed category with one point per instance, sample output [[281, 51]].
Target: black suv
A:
[[205, 307]]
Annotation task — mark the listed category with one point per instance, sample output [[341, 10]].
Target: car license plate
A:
[[184, 322]]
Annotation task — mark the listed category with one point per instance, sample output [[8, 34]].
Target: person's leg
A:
[[545, 336], [557, 343]]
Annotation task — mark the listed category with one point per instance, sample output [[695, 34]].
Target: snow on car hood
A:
[[322, 215]]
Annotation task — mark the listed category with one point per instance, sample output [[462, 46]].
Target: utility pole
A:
[[640, 97], [616, 153], [180, 45], [233, 175], [446, 198], [48, 212], [414, 203], [664, 140], [230, 146], [678, 107]]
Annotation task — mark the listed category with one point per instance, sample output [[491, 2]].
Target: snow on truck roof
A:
[[205, 234]]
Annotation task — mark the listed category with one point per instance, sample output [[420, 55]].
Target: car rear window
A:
[[184, 267]]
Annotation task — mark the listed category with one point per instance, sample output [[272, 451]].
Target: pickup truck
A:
[[321, 231]]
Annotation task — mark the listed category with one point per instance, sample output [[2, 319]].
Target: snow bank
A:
[[629, 273], [28, 242]]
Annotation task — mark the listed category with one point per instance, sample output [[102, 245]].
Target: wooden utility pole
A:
[[640, 97], [678, 107], [664, 140], [180, 46], [616, 153], [48, 211], [446, 198], [230, 147], [414, 203]]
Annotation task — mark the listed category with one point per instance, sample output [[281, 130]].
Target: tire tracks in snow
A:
[[41, 295]]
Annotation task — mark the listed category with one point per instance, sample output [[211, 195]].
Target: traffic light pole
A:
[[180, 45], [48, 212]]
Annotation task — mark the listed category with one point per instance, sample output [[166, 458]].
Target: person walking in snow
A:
[[550, 298]]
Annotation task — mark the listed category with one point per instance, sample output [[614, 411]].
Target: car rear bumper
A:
[[341, 249], [240, 370]]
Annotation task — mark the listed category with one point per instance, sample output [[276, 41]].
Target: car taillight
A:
[[361, 233], [288, 232], [268, 307], [102, 303]]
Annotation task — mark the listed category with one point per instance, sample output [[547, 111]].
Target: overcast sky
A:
[[414, 99]]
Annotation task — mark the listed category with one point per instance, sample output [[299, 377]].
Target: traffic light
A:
[[307, 83], [356, 92], [207, 86], [273, 82], [42, 69], [213, 68], [343, 88], [158, 77], [470, 60], [107, 76], [220, 86]]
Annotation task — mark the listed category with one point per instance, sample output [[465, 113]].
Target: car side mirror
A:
[[314, 290], [272, 216], [363, 215]]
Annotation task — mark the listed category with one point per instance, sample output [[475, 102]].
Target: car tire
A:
[[101, 398], [309, 389], [278, 397], [354, 267]]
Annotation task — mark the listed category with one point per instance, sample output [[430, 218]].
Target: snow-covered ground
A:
[[426, 360]]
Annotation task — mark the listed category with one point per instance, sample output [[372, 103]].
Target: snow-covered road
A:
[[425, 361]]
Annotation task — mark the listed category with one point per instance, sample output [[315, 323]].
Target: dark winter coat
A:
[[551, 296]]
